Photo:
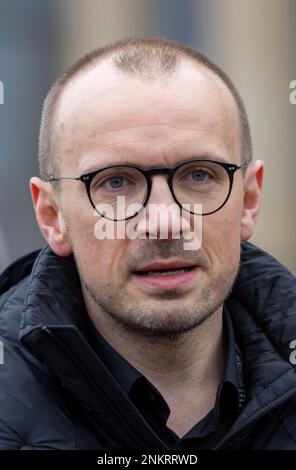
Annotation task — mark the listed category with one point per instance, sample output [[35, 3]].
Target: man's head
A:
[[149, 103]]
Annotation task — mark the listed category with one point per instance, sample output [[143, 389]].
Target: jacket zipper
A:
[[287, 396]]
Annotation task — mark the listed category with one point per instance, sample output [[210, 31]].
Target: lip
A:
[[176, 264], [166, 282]]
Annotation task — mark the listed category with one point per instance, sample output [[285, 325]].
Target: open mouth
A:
[[166, 276], [165, 272]]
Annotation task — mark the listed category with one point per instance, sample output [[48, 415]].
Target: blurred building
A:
[[253, 41]]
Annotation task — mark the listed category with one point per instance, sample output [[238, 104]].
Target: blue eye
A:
[[116, 182], [199, 176]]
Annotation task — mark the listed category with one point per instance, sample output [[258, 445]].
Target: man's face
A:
[[106, 118]]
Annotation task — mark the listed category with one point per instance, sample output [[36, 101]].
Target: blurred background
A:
[[252, 40]]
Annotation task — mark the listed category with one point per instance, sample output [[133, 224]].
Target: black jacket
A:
[[56, 393]]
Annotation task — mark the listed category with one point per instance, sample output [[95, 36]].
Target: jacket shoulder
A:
[[17, 271], [35, 412]]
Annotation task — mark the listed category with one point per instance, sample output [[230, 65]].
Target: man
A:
[[137, 342]]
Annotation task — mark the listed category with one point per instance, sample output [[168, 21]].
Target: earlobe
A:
[[49, 217], [253, 182]]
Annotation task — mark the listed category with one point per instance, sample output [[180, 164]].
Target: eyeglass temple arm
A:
[[57, 178], [244, 165]]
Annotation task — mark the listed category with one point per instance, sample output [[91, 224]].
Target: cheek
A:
[[221, 238], [99, 259]]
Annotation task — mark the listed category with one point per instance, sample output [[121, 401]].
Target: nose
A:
[[160, 191], [162, 216]]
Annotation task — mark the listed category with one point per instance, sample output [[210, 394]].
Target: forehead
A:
[[103, 106]]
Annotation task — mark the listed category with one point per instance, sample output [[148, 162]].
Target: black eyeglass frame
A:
[[87, 178]]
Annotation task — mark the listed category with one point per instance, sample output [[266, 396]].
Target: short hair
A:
[[148, 58]]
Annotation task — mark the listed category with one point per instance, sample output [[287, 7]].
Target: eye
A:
[[199, 175], [115, 182]]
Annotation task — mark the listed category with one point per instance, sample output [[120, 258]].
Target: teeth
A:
[[166, 273]]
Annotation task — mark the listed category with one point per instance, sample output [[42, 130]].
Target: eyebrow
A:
[[95, 168]]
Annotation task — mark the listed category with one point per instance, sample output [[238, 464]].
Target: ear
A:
[[253, 182], [49, 217]]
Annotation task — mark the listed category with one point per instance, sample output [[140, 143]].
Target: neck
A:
[[192, 361]]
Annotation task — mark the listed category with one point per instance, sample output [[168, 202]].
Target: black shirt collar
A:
[[127, 376], [155, 410]]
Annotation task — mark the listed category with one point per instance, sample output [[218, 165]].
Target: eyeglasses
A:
[[194, 182]]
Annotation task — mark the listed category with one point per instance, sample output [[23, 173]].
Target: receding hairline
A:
[[146, 58]]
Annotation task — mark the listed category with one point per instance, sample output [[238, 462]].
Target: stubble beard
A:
[[164, 321]]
